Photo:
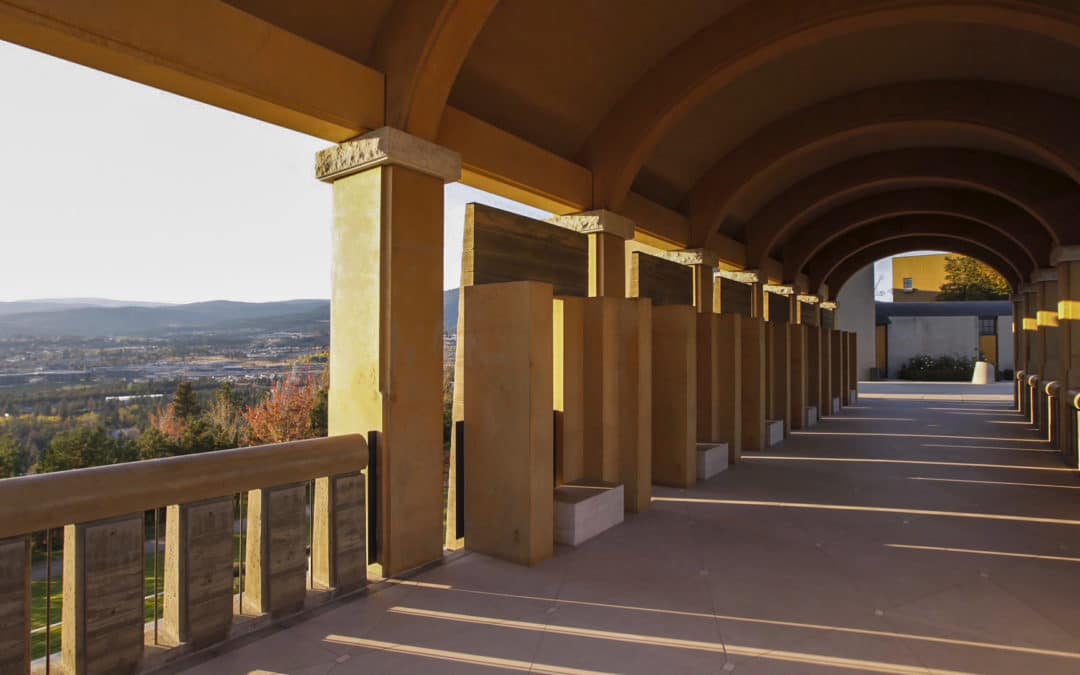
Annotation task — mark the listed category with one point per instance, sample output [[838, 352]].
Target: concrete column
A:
[[634, 372], [798, 378], [674, 400], [275, 562], [339, 535], [386, 328], [814, 370], [1032, 355], [852, 367], [1019, 348], [779, 373], [15, 605], [836, 364], [103, 619], [1045, 281], [1067, 262], [509, 498], [754, 389], [568, 351], [728, 374]]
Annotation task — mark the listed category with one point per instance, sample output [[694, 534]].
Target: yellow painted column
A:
[[674, 401], [1045, 281], [799, 369], [813, 374], [728, 372], [386, 330], [1067, 261], [568, 351]]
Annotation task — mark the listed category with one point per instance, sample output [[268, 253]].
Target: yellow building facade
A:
[[918, 278]]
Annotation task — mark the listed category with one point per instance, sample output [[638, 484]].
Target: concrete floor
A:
[[901, 536]]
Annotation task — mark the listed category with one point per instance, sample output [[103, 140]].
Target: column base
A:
[[712, 459], [584, 509], [774, 432]]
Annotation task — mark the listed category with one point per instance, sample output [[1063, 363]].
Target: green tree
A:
[[184, 402], [968, 279], [12, 457], [85, 447]]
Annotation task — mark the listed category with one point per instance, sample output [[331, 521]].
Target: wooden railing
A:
[[289, 499]]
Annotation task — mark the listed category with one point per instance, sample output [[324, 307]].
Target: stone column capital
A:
[[597, 221], [809, 299], [779, 289], [1043, 275], [694, 256], [387, 146], [742, 276], [1064, 254], [829, 304]]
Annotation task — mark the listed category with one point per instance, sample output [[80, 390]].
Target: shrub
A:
[[926, 368]]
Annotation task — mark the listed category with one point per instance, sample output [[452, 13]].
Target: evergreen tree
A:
[[968, 279], [85, 447], [11, 457], [185, 404]]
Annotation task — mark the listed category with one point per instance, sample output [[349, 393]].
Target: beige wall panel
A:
[[674, 369], [15, 605], [199, 572], [736, 298], [727, 336], [798, 361], [509, 473], [102, 628], [813, 367], [779, 373], [601, 395], [754, 390], [708, 380], [836, 366], [568, 351], [662, 281], [634, 374], [501, 247], [276, 551]]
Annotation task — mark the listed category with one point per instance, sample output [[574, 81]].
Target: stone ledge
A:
[[600, 220], [712, 459], [584, 509], [387, 147]]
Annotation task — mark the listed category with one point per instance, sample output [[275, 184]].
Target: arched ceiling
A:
[[885, 249], [996, 214], [820, 267], [709, 122]]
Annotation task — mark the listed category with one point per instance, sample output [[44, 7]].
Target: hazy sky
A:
[[113, 189]]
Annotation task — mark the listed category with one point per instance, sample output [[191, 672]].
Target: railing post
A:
[[199, 571], [275, 560], [1019, 391], [339, 537], [103, 615], [15, 605], [1053, 412], [1033, 400]]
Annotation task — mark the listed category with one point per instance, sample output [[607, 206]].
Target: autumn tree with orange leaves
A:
[[293, 410]]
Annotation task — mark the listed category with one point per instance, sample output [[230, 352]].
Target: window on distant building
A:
[[908, 285], [987, 325]]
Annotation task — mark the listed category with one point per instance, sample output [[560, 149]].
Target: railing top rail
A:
[[32, 503], [1074, 398]]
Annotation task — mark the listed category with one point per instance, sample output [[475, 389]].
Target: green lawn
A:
[[37, 606]]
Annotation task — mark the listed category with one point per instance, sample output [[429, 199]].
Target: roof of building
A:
[[885, 310]]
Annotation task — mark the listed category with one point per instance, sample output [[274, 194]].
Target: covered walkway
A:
[[901, 536]]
